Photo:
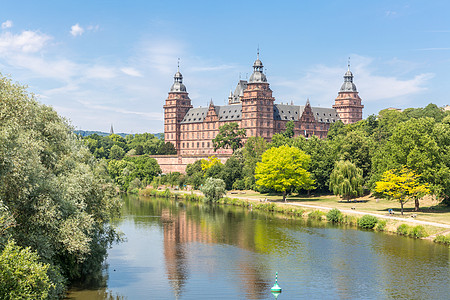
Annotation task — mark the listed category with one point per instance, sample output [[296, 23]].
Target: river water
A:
[[183, 250]]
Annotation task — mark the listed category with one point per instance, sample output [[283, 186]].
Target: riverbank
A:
[[318, 207]]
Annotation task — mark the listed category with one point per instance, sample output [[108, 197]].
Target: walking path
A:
[[348, 211], [376, 215]]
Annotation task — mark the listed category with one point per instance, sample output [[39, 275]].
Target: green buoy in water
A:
[[276, 288]]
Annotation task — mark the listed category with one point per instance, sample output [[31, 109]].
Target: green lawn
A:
[[429, 209]]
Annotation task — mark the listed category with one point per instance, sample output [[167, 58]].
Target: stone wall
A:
[[175, 163]]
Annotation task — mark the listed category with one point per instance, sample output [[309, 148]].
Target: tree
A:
[[116, 152], [60, 197], [22, 275], [284, 168], [229, 136], [213, 189], [346, 180], [289, 132], [402, 185]]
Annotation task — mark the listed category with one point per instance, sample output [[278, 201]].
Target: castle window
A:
[[203, 144], [183, 145], [208, 144], [198, 144]]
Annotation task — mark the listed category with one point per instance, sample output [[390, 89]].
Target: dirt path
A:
[[348, 211]]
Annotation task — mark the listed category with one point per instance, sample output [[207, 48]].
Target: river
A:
[[185, 250]]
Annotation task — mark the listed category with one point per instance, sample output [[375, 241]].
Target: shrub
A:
[[367, 221], [316, 215], [213, 189], [442, 239], [381, 225], [350, 220], [417, 232], [335, 216], [403, 229]]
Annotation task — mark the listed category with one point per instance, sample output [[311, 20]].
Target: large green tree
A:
[[59, 197], [283, 169], [229, 136], [346, 180]]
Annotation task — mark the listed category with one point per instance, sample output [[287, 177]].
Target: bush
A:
[[381, 225], [367, 221], [442, 239], [316, 215], [335, 216], [417, 232], [213, 189], [403, 229], [22, 276]]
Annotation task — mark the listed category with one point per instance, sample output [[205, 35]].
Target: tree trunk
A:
[[416, 204], [401, 203], [284, 196]]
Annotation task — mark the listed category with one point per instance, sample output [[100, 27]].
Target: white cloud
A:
[[131, 72], [76, 30], [26, 42], [101, 72], [93, 28], [7, 24], [322, 83]]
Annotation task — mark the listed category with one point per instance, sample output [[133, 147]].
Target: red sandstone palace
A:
[[252, 106]]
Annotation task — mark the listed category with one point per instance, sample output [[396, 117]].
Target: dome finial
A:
[[257, 53], [178, 68], [348, 63]]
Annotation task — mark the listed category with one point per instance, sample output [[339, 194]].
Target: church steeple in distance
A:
[[111, 131]]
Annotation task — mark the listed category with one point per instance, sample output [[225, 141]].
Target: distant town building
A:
[[253, 107], [446, 108]]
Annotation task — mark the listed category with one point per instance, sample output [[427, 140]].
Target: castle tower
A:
[[176, 107], [348, 103], [257, 104]]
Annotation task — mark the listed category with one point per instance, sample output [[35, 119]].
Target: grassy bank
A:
[[256, 202]]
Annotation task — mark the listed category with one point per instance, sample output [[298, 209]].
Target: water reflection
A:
[[178, 250]]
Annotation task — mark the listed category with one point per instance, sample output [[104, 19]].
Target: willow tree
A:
[[346, 180], [56, 198], [402, 185], [284, 168]]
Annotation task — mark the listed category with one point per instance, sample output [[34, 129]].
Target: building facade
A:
[[253, 107]]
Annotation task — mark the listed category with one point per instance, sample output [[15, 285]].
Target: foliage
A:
[[22, 275], [335, 216], [401, 185], [381, 225], [283, 169], [346, 180], [289, 132], [229, 136], [412, 231], [316, 215], [213, 189], [442, 239], [124, 171], [111, 146], [60, 198], [367, 221], [403, 229]]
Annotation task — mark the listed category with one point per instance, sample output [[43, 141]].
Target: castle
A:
[[253, 107]]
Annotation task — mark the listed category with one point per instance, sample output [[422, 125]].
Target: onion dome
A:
[[258, 75], [178, 85], [348, 85]]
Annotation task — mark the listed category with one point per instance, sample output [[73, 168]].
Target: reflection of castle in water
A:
[[180, 229]]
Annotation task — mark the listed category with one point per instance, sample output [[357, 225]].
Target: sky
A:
[[99, 63]]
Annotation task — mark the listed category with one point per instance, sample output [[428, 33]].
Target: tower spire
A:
[[348, 65], [178, 67], [257, 52]]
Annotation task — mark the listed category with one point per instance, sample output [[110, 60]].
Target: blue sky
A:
[[103, 62]]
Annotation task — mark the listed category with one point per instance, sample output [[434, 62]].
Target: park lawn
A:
[[429, 209]]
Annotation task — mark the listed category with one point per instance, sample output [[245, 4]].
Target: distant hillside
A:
[[84, 133]]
